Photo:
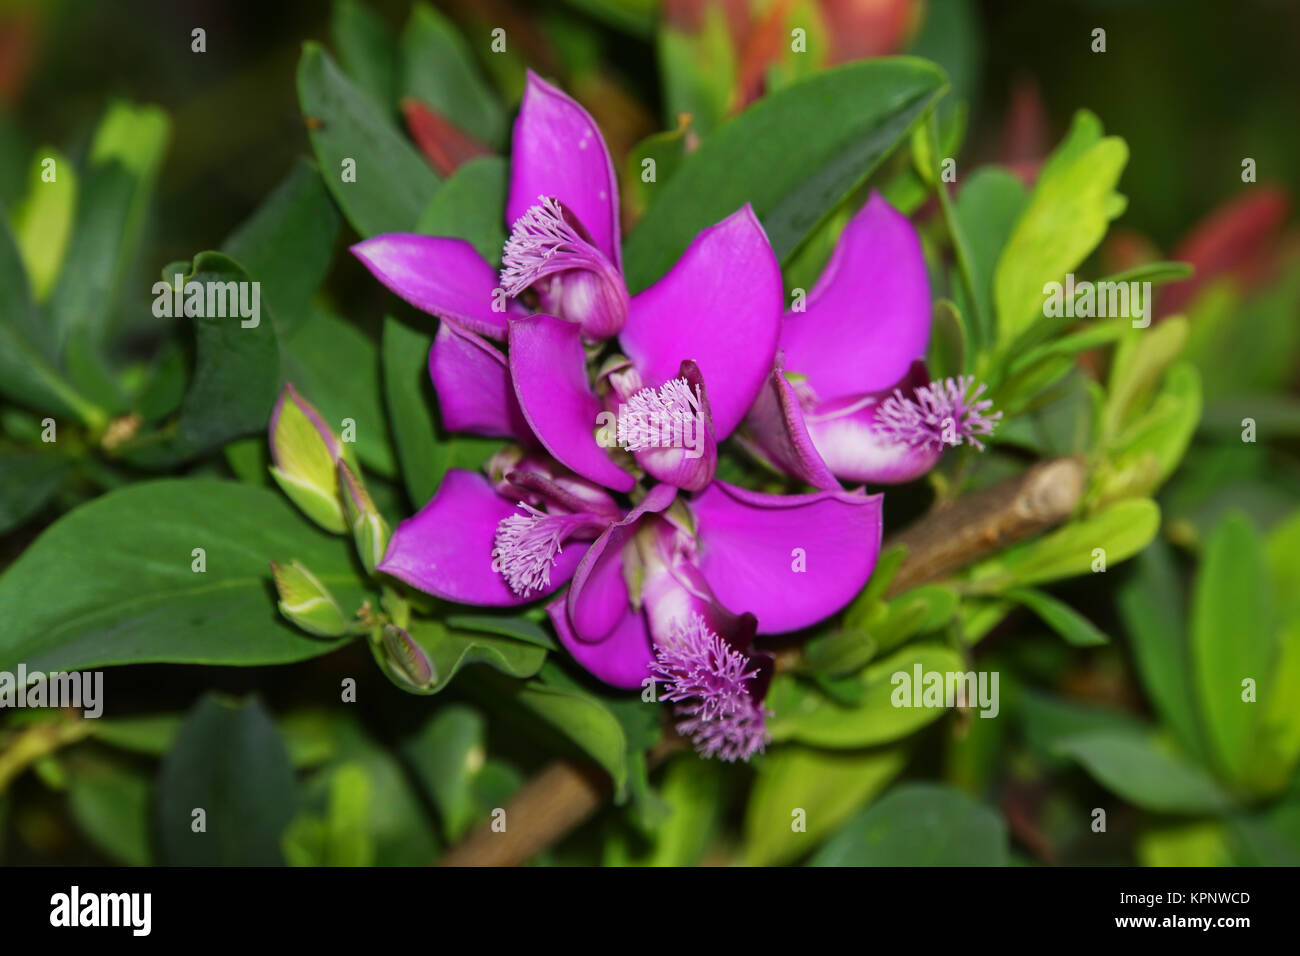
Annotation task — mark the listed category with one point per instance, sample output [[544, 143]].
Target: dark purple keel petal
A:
[[557, 150], [753, 547], [868, 317], [446, 548], [720, 305], [473, 384], [441, 276], [621, 660], [548, 366], [775, 426], [848, 434], [599, 597]]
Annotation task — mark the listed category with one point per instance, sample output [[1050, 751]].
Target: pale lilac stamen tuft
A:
[[542, 242], [706, 678], [651, 415], [525, 548], [942, 413]]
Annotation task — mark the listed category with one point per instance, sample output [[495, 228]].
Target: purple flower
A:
[[712, 684], [850, 397], [714, 317], [500, 541]]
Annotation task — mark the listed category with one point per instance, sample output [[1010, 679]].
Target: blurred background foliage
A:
[[1193, 86]]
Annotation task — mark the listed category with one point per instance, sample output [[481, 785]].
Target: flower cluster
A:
[[671, 572]]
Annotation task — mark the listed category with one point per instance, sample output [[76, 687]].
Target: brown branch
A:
[[945, 540]]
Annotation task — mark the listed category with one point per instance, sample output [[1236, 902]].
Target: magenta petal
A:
[[848, 435], [473, 385], [446, 548], [753, 545], [598, 598], [868, 317], [719, 305], [622, 660], [557, 151], [548, 366], [775, 426], [444, 277]]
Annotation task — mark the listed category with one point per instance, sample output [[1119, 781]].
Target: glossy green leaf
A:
[[393, 182], [449, 651], [71, 604], [367, 50], [110, 802], [793, 155], [447, 753], [230, 762], [919, 825], [236, 378], [339, 837]]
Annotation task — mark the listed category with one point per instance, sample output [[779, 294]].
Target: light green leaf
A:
[[1138, 767], [823, 787], [1060, 617], [43, 223]]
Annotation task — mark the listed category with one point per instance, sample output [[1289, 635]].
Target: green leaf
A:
[[43, 223], [110, 802], [806, 715], [793, 155], [27, 372], [693, 790], [124, 160], [341, 837], [393, 182], [1232, 640], [919, 611], [229, 761], [1066, 217], [697, 71], [1140, 361], [919, 825], [471, 205], [1135, 765], [236, 379], [367, 49], [1120, 531], [287, 244], [1060, 617], [28, 479], [447, 753], [1151, 604], [1173, 842], [449, 651], [438, 69], [334, 362], [822, 786], [70, 606], [424, 451]]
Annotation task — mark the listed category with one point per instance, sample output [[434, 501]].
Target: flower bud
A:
[[306, 602], [304, 453], [369, 529], [406, 661]]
